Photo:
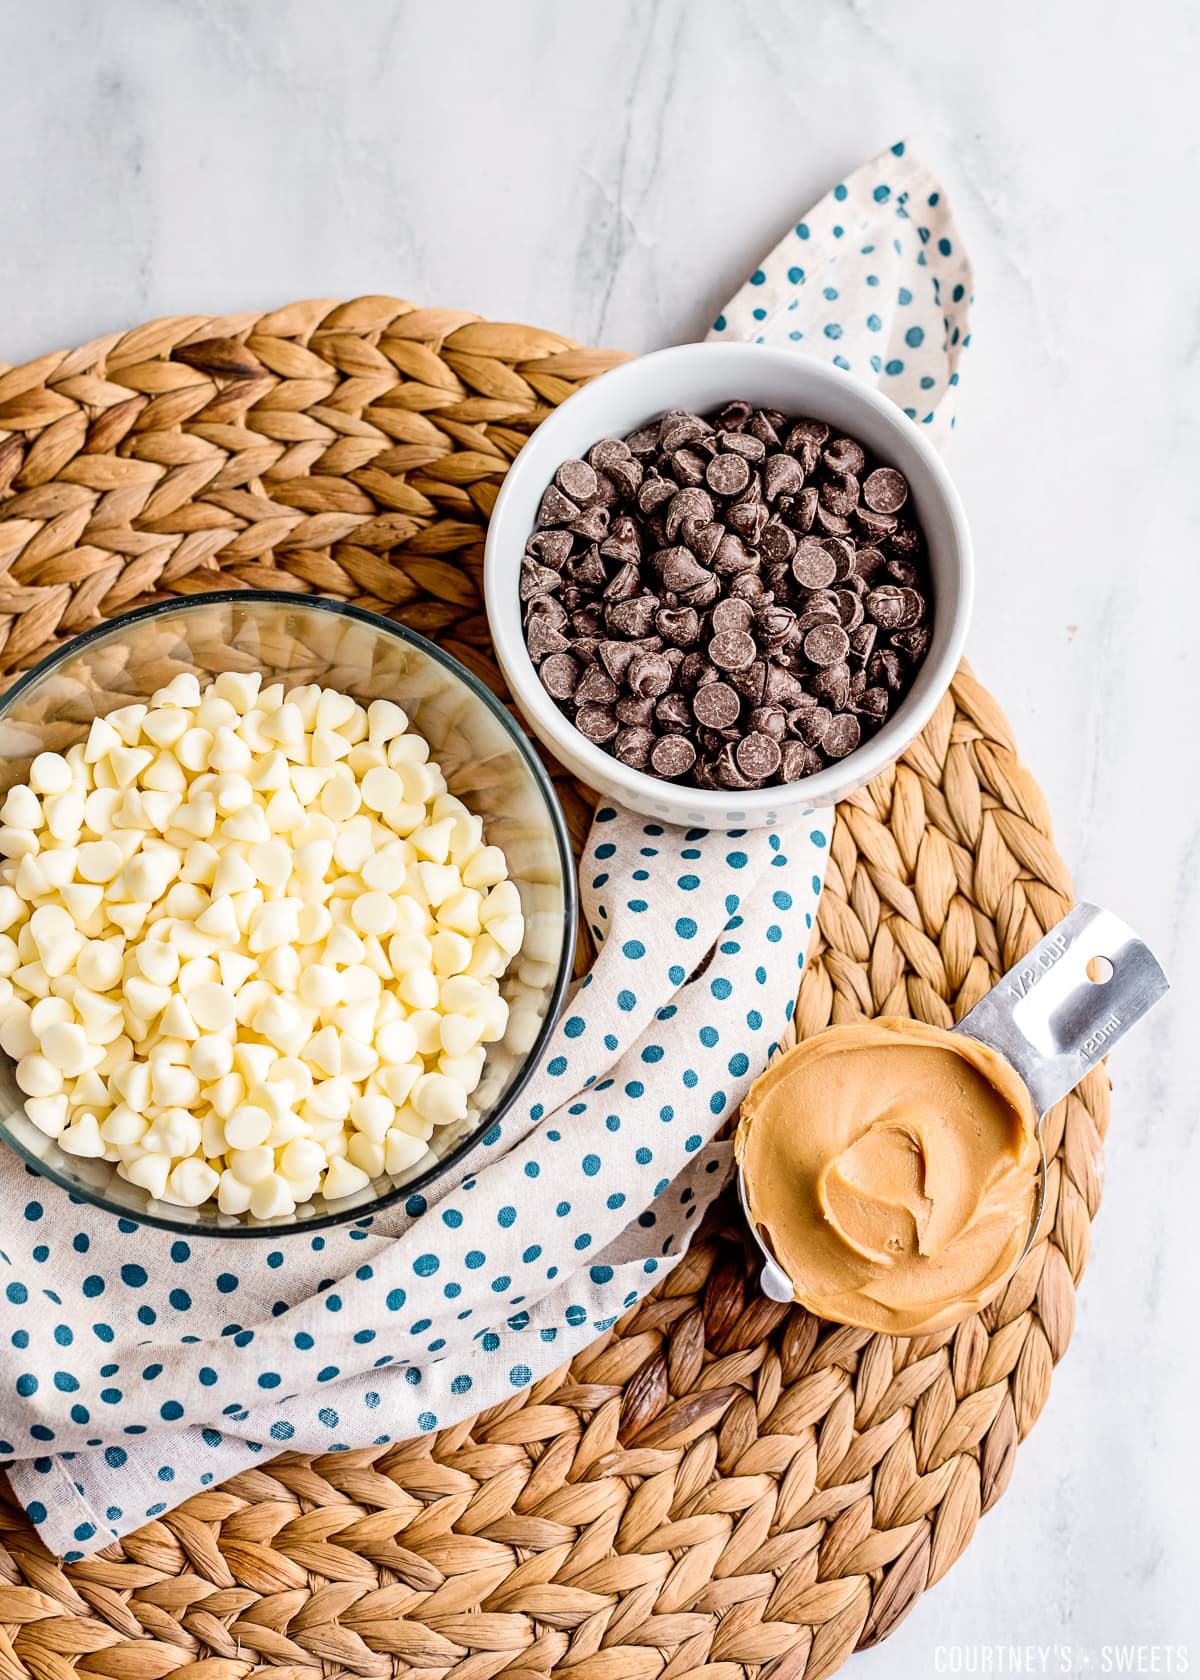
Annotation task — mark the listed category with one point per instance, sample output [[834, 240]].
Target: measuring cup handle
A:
[[1051, 1018]]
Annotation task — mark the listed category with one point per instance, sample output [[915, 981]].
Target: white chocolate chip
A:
[[255, 944]]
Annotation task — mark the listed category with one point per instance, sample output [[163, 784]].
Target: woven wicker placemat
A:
[[720, 1485]]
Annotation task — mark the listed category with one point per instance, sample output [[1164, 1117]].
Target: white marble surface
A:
[[612, 170]]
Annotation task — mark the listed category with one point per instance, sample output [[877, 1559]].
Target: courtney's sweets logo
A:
[[1061, 1658]]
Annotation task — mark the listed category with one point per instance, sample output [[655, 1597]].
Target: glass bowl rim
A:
[[558, 824]]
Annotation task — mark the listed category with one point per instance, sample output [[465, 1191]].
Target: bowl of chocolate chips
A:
[[727, 582]]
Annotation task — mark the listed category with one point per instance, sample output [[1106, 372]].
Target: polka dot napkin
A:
[[137, 1368]]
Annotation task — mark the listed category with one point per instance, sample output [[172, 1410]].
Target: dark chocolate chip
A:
[[798, 761], [543, 639], [596, 688], [633, 619], [732, 556], [748, 520], [886, 667], [649, 674], [689, 503], [680, 427], [874, 704], [850, 609], [743, 443], [645, 440], [782, 476], [869, 563], [885, 490], [913, 642], [555, 508], [776, 626], [729, 771], [549, 609], [550, 547], [811, 725], [537, 580], [672, 756], [678, 625], [832, 685], [844, 455], [840, 494], [632, 746], [593, 522], [777, 542], [560, 674], [716, 705], [813, 566], [862, 641], [678, 568], [673, 712], [734, 416], [842, 736], [625, 583], [826, 644], [635, 710], [732, 650], [602, 455], [596, 723], [887, 606], [654, 492], [731, 614], [757, 756], [746, 586], [623, 542], [587, 569], [843, 557], [688, 466], [781, 687], [769, 720], [727, 475], [703, 595], [577, 481]]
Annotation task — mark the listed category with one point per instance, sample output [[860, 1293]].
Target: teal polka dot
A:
[[914, 337], [685, 927], [591, 1165], [507, 1216], [758, 278], [833, 329], [796, 276], [720, 324], [874, 324], [894, 367], [633, 949], [574, 1026]]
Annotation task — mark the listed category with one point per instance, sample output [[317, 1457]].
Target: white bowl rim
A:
[[711, 805]]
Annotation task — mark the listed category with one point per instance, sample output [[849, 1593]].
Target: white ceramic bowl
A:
[[703, 377]]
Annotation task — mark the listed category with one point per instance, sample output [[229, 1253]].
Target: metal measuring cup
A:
[[1052, 1017]]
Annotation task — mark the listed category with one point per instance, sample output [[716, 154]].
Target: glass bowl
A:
[[488, 763]]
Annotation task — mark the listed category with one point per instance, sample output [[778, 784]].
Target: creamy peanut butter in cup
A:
[[891, 1169], [893, 1172]]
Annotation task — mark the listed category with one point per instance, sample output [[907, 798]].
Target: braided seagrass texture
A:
[[720, 1485]]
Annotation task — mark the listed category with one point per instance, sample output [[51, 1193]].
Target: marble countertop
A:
[[613, 171]]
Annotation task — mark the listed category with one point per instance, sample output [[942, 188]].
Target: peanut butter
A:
[[891, 1170]]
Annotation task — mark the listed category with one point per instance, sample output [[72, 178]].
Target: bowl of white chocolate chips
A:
[[287, 912]]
